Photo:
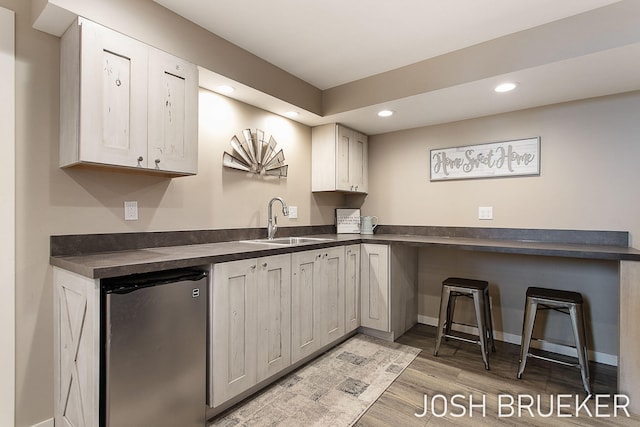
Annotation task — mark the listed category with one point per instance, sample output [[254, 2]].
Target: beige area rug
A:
[[333, 390]]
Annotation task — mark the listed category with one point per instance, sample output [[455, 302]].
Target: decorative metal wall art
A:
[[255, 155]]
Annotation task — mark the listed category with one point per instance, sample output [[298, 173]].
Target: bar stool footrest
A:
[[461, 339], [549, 359]]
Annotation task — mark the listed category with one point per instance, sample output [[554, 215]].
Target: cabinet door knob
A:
[[140, 159], [157, 162], [264, 265], [253, 267], [356, 188]]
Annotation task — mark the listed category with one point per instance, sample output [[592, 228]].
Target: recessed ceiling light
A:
[[225, 89], [385, 113], [505, 87], [291, 114]]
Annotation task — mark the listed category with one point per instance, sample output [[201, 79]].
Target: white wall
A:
[[7, 218]]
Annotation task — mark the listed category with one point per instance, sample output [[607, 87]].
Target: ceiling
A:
[[340, 46]]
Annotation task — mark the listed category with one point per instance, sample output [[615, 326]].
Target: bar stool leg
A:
[[479, 304], [577, 319], [530, 310], [444, 303], [451, 308], [489, 319]]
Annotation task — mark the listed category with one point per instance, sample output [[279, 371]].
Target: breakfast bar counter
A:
[[112, 262]]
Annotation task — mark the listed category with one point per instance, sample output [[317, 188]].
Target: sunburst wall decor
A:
[[255, 155]]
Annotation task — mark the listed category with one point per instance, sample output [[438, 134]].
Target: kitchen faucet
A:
[[272, 224]]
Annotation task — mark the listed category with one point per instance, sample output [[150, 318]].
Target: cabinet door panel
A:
[[274, 315], [333, 297], [113, 97], [116, 87], [358, 171], [173, 114], [352, 288], [233, 329], [343, 162], [375, 287], [305, 304]]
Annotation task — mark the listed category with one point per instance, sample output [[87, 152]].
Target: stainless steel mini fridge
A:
[[153, 360]]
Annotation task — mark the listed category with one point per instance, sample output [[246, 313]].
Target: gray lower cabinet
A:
[[250, 324], [375, 287], [388, 284], [318, 300], [352, 288]]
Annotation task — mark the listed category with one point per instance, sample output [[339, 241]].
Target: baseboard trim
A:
[[45, 423], [386, 336], [599, 357]]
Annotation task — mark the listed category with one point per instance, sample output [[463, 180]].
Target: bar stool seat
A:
[[478, 290], [566, 302]]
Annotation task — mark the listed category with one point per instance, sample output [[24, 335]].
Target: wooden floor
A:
[[458, 370]]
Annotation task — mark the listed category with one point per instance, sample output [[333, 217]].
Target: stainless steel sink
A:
[[287, 241]]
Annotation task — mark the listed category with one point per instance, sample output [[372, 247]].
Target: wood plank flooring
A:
[[458, 370]]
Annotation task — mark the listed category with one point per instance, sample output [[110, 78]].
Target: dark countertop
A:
[[121, 263]]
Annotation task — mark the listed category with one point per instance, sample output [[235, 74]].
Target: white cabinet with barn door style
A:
[[250, 324], [126, 104], [339, 159]]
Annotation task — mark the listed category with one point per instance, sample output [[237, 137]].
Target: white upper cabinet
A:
[[339, 159], [126, 104]]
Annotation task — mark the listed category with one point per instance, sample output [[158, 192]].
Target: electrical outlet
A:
[[485, 212], [293, 212], [130, 211]]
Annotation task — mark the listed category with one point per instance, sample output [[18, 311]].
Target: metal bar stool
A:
[[565, 302], [478, 290]]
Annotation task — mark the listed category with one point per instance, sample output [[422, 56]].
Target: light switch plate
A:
[[293, 212], [485, 212], [130, 211]]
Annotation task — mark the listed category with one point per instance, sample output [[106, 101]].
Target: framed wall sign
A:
[[347, 221], [497, 159]]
